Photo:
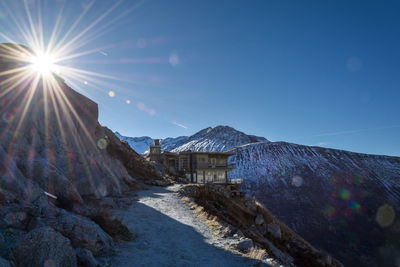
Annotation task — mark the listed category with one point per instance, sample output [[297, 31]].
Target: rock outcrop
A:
[[258, 225], [44, 247], [56, 164]]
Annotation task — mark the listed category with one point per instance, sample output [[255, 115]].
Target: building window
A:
[[200, 178]]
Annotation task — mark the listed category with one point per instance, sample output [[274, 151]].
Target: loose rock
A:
[[84, 233], [259, 219], [44, 247], [85, 258], [275, 230], [245, 245]]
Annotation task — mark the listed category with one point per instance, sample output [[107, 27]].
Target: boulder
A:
[[85, 258], [16, 219], [275, 230], [259, 219], [251, 205], [4, 263], [245, 245], [44, 247], [238, 234], [83, 233], [227, 231], [262, 229], [52, 180], [113, 226]]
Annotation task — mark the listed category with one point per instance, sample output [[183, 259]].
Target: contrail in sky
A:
[[103, 53], [352, 131], [180, 125]]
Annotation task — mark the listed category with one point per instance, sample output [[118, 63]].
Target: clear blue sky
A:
[[310, 72]]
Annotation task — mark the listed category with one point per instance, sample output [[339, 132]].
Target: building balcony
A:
[[211, 166]]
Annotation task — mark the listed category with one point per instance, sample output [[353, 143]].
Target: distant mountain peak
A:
[[213, 139]]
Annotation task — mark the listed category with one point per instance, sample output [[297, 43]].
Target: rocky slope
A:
[[59, 171], [248, 218], [348, 198], [219, 138]]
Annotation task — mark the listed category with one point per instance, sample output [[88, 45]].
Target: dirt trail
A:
[[169, 234]]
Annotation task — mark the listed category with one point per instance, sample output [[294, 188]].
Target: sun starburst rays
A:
[[42, 70]]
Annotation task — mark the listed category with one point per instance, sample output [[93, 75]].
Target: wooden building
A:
[[198, 167]]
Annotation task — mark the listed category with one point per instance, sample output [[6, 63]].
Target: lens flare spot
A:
[[344, 194], [141, 106], [102, 143], [85, 83], [385, 215], [297, 181], [7, 117], [174, 59], [333, 180], [111, 93], [355, 206], [127, 101]]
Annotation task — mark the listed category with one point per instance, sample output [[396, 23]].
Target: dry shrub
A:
[[257, 253], [185, 199]]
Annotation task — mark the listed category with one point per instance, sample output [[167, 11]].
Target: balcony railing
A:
[[236, 181], [210, 166]]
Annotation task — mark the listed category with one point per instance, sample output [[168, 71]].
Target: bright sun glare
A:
[[43, 64]]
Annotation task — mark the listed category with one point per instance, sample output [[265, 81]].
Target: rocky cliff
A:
[[56, 161]]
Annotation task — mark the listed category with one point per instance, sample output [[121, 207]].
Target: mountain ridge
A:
[[219, 138]]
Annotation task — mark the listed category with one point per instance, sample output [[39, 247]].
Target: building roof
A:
[[196, 152]]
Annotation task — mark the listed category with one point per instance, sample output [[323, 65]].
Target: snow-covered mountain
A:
[[217, 139], [139, 144]]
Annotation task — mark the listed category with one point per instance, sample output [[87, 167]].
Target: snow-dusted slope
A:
[[331, 193], [277, 162], [139, 144]]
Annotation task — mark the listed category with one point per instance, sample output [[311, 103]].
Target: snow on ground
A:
[[169, 234]]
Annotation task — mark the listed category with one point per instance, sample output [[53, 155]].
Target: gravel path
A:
[[169, 234]]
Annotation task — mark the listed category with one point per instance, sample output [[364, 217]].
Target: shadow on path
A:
[[169, 234]]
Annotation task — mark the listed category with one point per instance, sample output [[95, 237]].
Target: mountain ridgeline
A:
[[343, 202], [217, 139]]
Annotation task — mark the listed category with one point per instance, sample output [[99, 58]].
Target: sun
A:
[[43, 64]]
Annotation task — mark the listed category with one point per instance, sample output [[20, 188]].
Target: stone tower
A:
[[155, 151]]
